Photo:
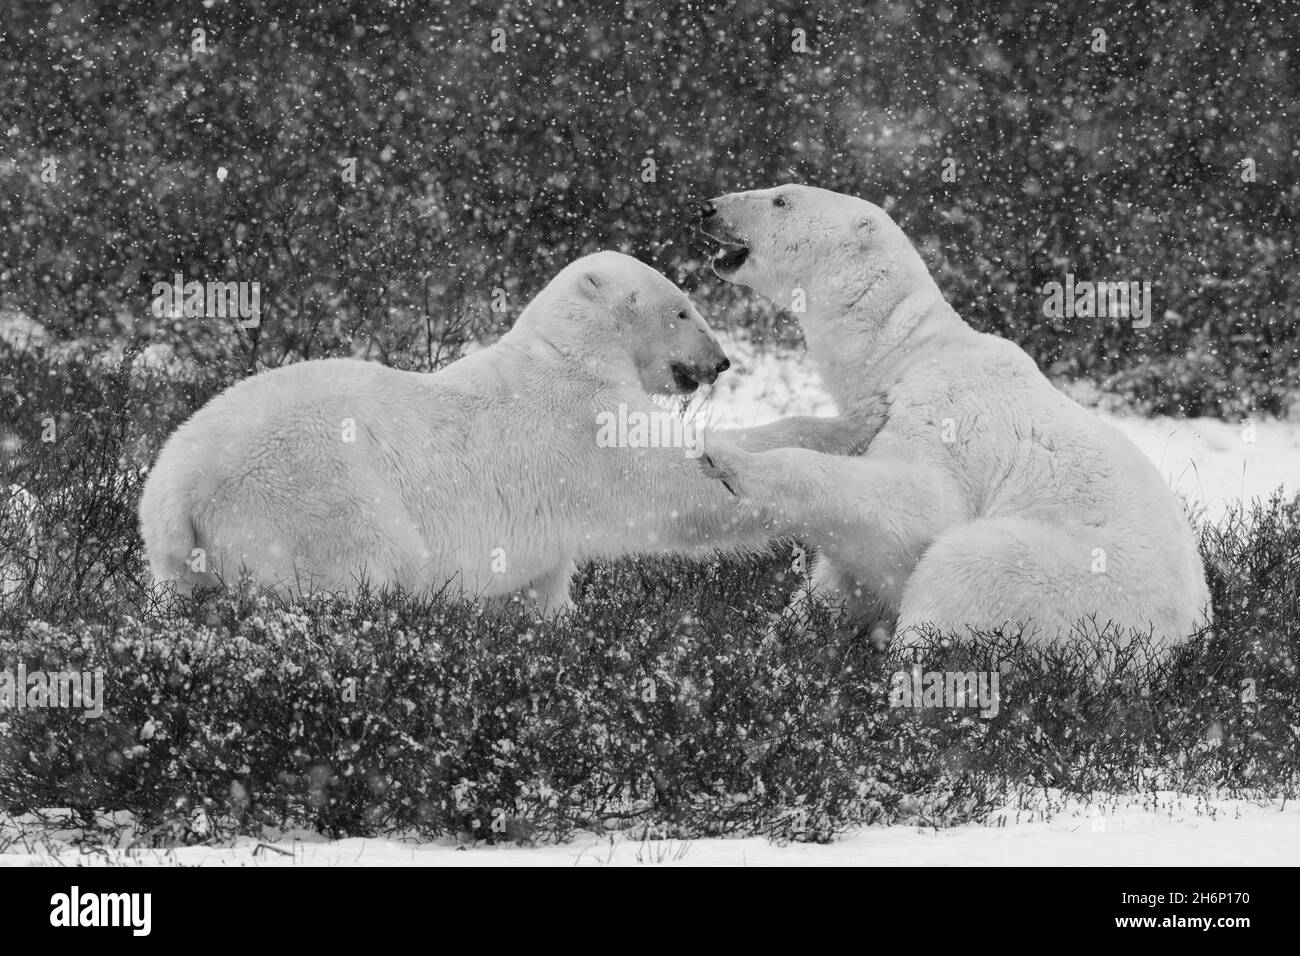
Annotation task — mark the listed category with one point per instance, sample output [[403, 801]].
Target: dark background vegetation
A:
[[482, 170], [479, 171]]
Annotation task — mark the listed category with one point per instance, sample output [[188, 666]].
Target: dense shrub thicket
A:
[[1168, 157], [669, 702]]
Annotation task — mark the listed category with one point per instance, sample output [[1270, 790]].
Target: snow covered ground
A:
[[1212, 464], [1153, 830]]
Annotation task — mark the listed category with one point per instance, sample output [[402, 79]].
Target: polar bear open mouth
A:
[[684, 378], [730, 258]]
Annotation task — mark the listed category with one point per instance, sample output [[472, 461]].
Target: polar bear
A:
[[988, 499], [495, 474]]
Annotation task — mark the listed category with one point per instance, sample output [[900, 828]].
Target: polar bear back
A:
[[304, 459]]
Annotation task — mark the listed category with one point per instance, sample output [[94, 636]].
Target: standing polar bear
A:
[[496, 474], [988, 499]]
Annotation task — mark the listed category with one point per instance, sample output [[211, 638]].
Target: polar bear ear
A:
[[865, 229], [592, 285]]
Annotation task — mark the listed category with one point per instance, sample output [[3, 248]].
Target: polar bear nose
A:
[[708, 375], [707, 209]]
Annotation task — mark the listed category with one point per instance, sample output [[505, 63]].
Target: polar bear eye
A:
[[681, 314], [778, 201]]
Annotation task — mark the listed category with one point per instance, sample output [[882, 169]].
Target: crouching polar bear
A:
[[988, 498], [495, 474]]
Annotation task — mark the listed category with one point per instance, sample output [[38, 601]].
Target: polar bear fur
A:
[[486, 475], [988, 499]]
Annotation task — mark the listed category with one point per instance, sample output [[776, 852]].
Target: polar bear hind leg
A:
[[171, 540], [347, 543], [1046, 576]]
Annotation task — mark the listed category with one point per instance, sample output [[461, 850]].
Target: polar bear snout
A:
[[694, 355], [688, 378]]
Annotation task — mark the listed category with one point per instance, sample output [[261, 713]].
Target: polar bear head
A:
[[792, 242], [617, 313]]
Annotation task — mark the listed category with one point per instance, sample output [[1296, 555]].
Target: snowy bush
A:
[[668, 702]]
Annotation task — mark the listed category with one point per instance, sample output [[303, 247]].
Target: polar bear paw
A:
[[716, 467], [740, 472], [722, 460]]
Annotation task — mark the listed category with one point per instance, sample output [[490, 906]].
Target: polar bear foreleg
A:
[[851, 605], [847, 434], [871, 517]]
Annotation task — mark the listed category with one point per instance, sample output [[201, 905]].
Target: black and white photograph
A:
[[665, 434]]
